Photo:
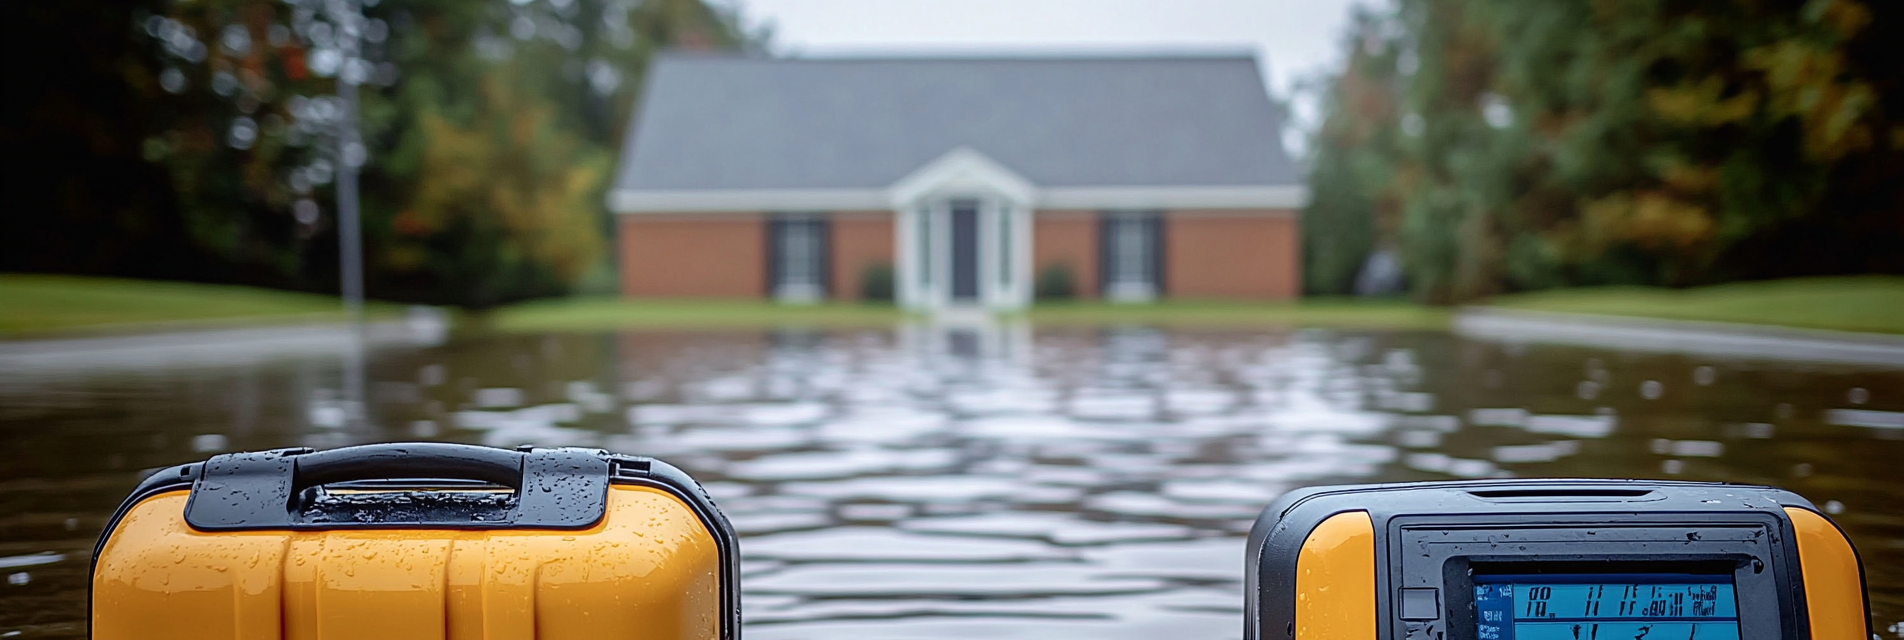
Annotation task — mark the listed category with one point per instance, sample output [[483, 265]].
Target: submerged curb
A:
[[1681, 336], [208, 346]]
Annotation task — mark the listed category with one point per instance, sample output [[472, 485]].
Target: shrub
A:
[[1055, 282], [876, 283]]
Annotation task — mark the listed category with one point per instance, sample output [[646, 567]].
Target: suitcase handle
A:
[[414, 460], [553, 488]]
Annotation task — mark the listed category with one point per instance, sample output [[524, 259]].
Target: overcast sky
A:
[[1291, 38]]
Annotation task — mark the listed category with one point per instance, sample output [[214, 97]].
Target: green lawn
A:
[[34, 305], [604, 313], [1311, 312], [47, 304], [585, 314], [1860, 303]]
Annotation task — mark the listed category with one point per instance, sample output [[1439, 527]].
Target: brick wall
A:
[[859, 240], [1068, 238], [1207, 253], [1231, 254], [693, 255]]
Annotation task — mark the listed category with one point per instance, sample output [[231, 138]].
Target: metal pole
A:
[[350, 155]]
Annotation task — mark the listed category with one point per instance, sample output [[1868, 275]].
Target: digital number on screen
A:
[[1605, 607]]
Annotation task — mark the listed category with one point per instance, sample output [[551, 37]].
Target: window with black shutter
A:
[[797, 257], [1131, 253]]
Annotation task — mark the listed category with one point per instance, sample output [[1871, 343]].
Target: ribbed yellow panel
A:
[[1834, 588], [648, 571], [1335, 580]]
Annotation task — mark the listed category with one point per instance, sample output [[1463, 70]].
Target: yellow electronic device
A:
[[1551, 560], [417, 541]]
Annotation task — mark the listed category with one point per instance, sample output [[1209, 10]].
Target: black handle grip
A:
[[412, 460], [554, 488]]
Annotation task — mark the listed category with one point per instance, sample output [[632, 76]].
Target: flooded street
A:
[[998, 482]]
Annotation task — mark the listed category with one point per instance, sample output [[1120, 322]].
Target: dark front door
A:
[[964, 251]]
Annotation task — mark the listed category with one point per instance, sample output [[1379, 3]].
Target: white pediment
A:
[[962, 171]]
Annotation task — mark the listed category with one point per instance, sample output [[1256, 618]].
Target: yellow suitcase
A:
[[417, 541]]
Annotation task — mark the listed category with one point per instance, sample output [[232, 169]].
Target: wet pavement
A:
[[959, 482]]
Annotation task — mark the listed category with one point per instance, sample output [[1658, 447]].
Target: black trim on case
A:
[[667, 477], [553, 488]]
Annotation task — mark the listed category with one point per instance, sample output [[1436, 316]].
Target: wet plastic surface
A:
[[409, 507]]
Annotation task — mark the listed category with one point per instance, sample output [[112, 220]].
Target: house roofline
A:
[[645, 201], [985, 53]]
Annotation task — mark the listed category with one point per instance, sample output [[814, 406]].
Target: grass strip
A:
[[33, 304], [589, 314], [1852, 303]]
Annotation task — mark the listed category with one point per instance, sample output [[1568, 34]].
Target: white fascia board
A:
[[636, 202], [1293, 196], [631, 201]]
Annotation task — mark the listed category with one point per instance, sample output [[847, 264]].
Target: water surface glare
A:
[[992, 482]]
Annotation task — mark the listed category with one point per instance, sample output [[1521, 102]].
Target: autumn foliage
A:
[[1506, 146]]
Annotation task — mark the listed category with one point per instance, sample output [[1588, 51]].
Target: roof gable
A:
[[963, 169], [728, 123]]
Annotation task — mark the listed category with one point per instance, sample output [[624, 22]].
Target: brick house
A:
[[1143, 177]]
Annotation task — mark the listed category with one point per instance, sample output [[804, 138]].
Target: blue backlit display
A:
[[1605, 606]]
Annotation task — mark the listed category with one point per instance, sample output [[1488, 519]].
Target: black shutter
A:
[[823, 252], [1155, 222], [1104, 223], [775, 228]]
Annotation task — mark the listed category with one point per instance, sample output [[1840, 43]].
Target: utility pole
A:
[[348, 15]]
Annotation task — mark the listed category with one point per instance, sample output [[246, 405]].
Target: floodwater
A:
[[993, 482]]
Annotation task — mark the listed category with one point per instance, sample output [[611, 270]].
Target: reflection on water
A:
[[932, 482]]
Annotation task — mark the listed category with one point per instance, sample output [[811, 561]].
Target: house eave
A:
[[647, 201], [1294, 196], [640, 201]]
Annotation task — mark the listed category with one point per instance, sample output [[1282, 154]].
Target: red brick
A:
[[859, 240], [693, 255], [1066, 238], [1239, 254]]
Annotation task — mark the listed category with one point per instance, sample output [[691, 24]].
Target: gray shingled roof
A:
[[755, 123]]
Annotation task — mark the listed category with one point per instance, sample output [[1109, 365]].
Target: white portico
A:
[[964, 234]]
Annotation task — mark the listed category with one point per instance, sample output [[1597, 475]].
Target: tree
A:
[[1623, 141], [491, 188], [197, 139], [1347, 173]]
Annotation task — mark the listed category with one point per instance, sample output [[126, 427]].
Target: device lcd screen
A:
[[1605, 606]]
